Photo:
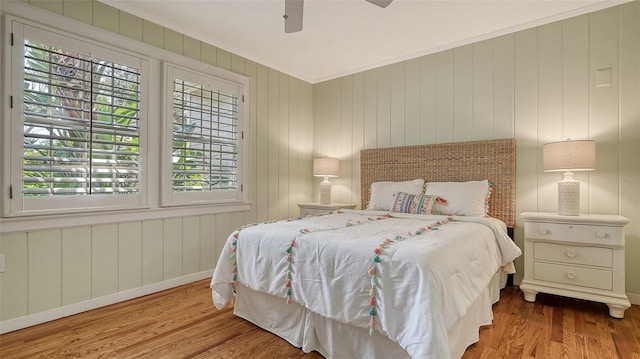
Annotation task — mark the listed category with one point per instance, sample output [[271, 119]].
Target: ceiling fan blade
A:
[[293, 15], [381, 3]]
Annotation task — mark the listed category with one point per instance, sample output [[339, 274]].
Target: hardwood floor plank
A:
[[183, 323]]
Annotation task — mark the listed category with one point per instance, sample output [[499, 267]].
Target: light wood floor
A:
[[182, 323]]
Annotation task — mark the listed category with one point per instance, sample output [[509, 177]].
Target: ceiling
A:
[[341, 37]]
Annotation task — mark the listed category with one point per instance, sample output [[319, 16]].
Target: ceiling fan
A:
[[293, 13]]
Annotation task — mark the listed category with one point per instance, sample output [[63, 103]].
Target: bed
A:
[[379, 284]]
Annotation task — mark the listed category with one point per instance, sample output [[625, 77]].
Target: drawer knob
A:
[[571, 254], [544, 231], [601, 234], [571, 275]]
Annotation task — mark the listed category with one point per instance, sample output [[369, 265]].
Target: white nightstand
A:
[[575, 256], [311, 209]]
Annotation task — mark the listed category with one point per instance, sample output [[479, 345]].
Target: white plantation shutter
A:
[[81, 124], [204, 114], [205, 138], [98, 125], [78, 124]]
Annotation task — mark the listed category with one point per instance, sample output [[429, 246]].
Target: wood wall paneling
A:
[[482, 90], [293, 147], [78, 10], [190, 245], [15, 278], [503, 87], [397, 108], [104, 259], [76, 264], [604, 107], [273, 147], [172, 244], [526, 127], [629, 170], [263, 138], [428, 100], [54, 6], [192, 48], [537, 85], [152, 34], [208, 244], [463, 96], [152, 251], [345, 145], [130, 26], [251, 71], [173, 41], [282, 153], [105, 16], [357, 126], [412, 103], [44, 281]]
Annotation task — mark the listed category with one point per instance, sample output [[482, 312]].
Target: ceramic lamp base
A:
[[568, 196], [325, 191]]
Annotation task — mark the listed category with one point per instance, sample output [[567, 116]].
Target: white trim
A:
[[169, 197], [24, 224], [76, 29], [71, 309]]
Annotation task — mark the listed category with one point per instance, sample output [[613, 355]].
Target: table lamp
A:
[[325, 167], [569, 156]]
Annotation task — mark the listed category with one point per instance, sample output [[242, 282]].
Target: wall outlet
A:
[[1, 263]]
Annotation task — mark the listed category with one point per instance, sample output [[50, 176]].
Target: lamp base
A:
[[325, 191], [568, 196]]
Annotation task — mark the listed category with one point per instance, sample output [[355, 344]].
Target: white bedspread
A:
[[425, 283]]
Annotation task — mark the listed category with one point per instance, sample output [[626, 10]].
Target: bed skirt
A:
[[310, 331]]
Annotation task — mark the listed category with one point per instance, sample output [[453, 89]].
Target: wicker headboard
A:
[[494, 160]]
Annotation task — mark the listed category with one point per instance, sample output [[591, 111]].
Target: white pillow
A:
[[462, 198], [382, 193]]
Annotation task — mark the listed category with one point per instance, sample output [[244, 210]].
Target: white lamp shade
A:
[[326, 167], [569, 156]]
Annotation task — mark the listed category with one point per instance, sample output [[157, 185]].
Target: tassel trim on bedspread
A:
[[373, 312], [304, 231], [373, 271], [234, 247]]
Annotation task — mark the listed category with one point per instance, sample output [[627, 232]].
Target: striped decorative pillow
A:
[[413, 203]]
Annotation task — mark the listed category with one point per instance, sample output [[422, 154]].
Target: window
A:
[[78, 123], [204, 115], [100, 122]]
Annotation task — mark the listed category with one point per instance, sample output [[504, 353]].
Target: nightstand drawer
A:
[[593, 256], [584, 277], [575, 233]]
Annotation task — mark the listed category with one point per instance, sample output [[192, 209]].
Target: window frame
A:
[[20, 205], [212, 79], [154, 159]]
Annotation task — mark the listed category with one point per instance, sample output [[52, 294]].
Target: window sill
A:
[[31, 223]]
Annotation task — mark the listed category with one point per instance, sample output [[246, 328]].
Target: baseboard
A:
[[71, 309]]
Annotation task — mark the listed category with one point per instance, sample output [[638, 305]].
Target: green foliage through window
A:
[[81, 124], [205, 139]]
